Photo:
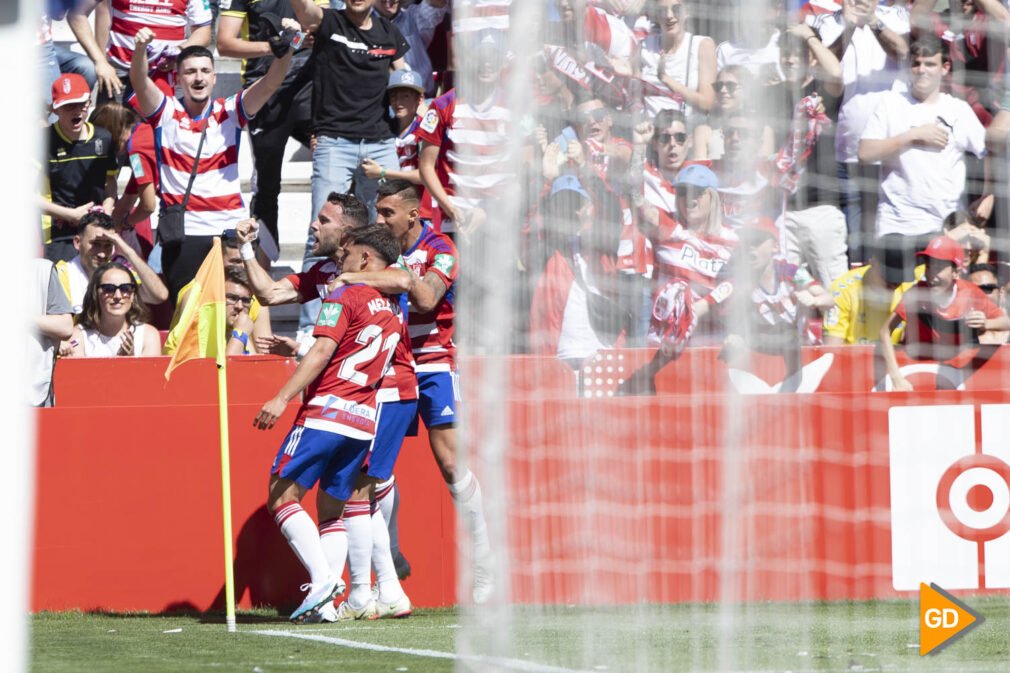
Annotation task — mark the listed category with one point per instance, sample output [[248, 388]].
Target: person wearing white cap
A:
[[81, 169]]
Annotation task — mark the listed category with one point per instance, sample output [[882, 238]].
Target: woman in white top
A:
[[112, 322], [734, 89], [677, 67]]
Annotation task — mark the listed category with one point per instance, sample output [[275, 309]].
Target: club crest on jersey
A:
[[98, 145], [444, 263], [430, 121], [329, 315]]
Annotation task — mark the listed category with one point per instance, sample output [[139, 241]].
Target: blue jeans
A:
[[336, 162], [859, 185]]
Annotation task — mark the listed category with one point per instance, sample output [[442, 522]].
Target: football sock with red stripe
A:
[[358, 519], [300, 531], [333, 535]]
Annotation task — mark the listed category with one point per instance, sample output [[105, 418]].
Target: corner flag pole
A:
[[229, 571]]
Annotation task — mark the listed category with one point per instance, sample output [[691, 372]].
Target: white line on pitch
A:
[[514, 664]]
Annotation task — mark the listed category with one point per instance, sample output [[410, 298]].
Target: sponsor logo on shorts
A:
[[448, 412], [329, 315]]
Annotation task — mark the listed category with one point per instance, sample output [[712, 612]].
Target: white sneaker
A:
[[395, 610], [483, 581], [318, 595], [346, 613]]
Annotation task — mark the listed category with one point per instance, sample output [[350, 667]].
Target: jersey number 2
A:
[[371, 338]]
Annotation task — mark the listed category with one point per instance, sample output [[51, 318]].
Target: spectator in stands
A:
[[666, 144], [97, 244], [81, 170], [595, 143], [771, 302], [944, 314], [804, 103], [733, 90], [114, 321], [53, 323], [450, 161], [865, 296], [678, 67], [405, 97], [744, 188], [238, 299], [960, 225], [984, 277], [975, 36], [755, 45], [920, 137], [215, 201], [417, 23], [168, 24], [245, 31], [871, 41]]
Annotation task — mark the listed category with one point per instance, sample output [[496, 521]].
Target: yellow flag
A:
[[202, 325]]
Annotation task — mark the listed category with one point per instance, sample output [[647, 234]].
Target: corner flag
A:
[[202, 324]]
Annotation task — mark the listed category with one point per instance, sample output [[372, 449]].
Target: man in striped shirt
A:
[[215, 200]]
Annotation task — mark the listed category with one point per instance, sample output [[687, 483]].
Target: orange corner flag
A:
[[942, 619], [202, 324]]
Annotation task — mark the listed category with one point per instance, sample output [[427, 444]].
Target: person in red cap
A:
[[81, 168], [943, 314]]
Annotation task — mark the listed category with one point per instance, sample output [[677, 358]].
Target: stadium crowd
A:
[[688, 173]]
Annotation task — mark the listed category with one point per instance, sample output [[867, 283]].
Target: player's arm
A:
[[149, 96], [266, 289], [886, 350], [429, 177], [198, 36], [307, 12], [309, 369]]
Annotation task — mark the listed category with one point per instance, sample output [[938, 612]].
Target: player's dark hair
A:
[[354, 211], [237, 275], [378, 238], [91, 312], [96, 219], [193, 51], [398, 187], [926, 45]]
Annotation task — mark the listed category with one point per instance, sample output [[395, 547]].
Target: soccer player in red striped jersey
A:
[[357, 333], [215, 200], [429, 281]]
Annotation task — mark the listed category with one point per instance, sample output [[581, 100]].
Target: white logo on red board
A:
[[950, 496]]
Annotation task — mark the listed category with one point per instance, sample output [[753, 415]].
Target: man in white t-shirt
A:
[[871, 42], [920, 137]]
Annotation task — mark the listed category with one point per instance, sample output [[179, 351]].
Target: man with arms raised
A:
[[356, 334], [215, 200], [429, 281]]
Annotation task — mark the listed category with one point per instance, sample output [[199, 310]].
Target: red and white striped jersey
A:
[[473, 144], [634, 251], [696, 258], [431, 333], [167, 18], [599, 158], [470, 16], [215, 202], [610, 33], [366, 326], [661, 195]]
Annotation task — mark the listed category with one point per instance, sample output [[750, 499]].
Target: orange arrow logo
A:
[[942, 619]]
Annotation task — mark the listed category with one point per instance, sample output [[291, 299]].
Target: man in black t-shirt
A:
[[354, 51], [243, 32], [81, 170]]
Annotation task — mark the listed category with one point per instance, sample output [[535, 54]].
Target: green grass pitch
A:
[[843, 637]]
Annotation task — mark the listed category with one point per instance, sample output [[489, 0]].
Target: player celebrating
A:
[[429, 281]]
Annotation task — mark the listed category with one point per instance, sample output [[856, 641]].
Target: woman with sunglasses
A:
[[732, 92], [113, 320], [668, 144], [677, 67]]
